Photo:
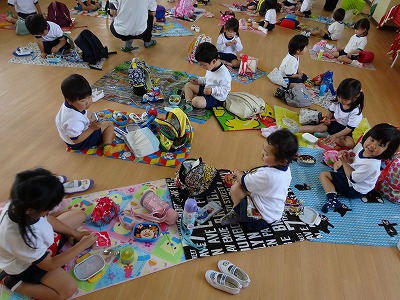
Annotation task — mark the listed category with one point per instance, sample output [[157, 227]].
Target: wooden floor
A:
[[30, 97]]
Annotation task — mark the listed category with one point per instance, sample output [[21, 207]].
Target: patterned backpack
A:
[[388, 184], [225, 16], [184, 9], [140, 77], [193, 46]]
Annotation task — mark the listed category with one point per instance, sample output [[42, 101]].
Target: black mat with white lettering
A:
[[219, 239]]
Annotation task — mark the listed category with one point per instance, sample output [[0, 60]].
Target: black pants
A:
[[145, 36], [50, 44]]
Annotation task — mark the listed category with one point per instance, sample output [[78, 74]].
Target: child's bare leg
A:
[[313, 128], [56, 284], [107, 128], [345, 142], [326, 181], [344, 59], [73, 218], [235, 63], [237, 193], [318, 32], [335, 54], [190, 90], [199, 102]]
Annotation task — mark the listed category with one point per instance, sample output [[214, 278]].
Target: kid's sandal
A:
[[128, 49], [77, 186]]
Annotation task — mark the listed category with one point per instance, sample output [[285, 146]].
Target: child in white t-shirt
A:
[[22, 9], [334, 31], [356, 44], [229, 43], [267, 186], [305, 9], [269, 9]]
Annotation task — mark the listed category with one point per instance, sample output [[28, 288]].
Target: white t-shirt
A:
[[54, 33], [222, 47], [15, 255], [365, 174], [219, 80], [71, 123], [289, 65], [346, 117], [132, 16], [356, 42], [336, 30], [268, 188], [270, 16], [24, 6], [306, 5]]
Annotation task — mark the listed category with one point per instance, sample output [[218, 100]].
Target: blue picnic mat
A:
[[362, 225], [170, 29]]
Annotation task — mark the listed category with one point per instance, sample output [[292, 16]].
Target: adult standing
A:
[[133, 19]]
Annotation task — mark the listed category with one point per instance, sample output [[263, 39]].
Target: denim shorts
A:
[[95, 139], [211, 101], [340, 181]]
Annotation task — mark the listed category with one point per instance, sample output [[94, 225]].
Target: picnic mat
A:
[[72, 60], [218, 239], [170, 29], [245, 79], [4, 24], [116, 87], [231, 7], [89, 14], [198, 13], [159, 158], [314, 56], [355, 223], [230, 122], [281, 112], [167, 251]]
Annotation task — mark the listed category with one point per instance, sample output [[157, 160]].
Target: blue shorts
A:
[[340, 181], [336, 127], [250, 223], [297, 80], [95, 139], [227, 56], [269, 26], [353, 57], [211, 101]]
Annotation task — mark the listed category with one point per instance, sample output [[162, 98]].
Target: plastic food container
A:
[[174, 100], [89, 267], [119, 119], [146, 232], [306, 160], [309, 138], [53, 58], [309, 216]]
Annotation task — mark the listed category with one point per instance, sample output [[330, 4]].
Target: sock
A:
[[109, 150], [128, 44], [264, 30], [356, 64], [331, 202]]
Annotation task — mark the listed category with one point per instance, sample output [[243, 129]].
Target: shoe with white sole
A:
[[223, 282], [238, 274]]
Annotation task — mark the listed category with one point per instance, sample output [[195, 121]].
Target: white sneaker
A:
[[97, 95], [223, 282], [238, 274], [357, 64]]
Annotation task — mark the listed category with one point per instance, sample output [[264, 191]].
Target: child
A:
[[229, 43], [269, 9], [345, 113], [305, 9], [27, 232], [78, 127], [335, 30], [267, 186], [290, 4], [290, 64], [212, 89], [357, 43], [87, 5], [252, 5], [49, 36], [22, 9], [354, 177]]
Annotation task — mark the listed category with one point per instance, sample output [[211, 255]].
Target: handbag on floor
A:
[[309, 116]]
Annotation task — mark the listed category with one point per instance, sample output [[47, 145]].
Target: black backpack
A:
[[92, 49]]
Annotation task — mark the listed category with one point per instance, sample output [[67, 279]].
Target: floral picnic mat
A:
[[170, 29]]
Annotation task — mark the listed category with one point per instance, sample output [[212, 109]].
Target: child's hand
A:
[[78, 235], [94, 124], [234, 42], [238, 174], [331, 138], [88, 240], [300, 75], [326, 121], [207, 91], [43, 55], [194, 81], [54, 49]]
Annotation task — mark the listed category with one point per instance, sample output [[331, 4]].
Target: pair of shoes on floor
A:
[[150, 44], [128, 49], [230, 279], [195, 28], [75, 186]]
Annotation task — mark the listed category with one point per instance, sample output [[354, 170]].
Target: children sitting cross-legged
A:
[[267, 186], [354, 177], [334, 31], [87, 5], [212, 89], [268, 10], [76, 125], [49, 36], [229, 43]]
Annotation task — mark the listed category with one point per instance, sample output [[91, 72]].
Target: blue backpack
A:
[[160, 13]]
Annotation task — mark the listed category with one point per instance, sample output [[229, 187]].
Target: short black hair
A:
[[266, 5], [351, 89], [75, 87], [285, 143], [231, 24], [36, 24], [339, 15], [206, 52], [298, 42], [363, 24], [384, 133]]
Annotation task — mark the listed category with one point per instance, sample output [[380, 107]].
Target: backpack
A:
[[244, 105], [298, 96], [365, 56], [196, 178], [140, 77], [289, 22], [184, 9], [388, 184], [58, 13], [225, 16], [193, 46], [175, 131], [160, 13], [92, 49]]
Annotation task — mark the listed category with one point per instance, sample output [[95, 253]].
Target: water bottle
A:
[[320, 53], [322, 90], [189, 215]]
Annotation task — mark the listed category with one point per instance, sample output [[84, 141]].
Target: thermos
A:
[[189, 215]]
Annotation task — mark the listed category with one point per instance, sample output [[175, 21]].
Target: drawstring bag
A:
[[388, 184], [308, 116], [105, 210], [196, 178]]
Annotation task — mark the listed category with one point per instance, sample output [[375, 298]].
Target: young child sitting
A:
[[229, 43], [356, 44], [268, 9], [212, 89], [354, 177], [335, 30], [87, 5], [305, 9], [49, 36], [22, 9], [289, 67], [267, 186], [78, 127]]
